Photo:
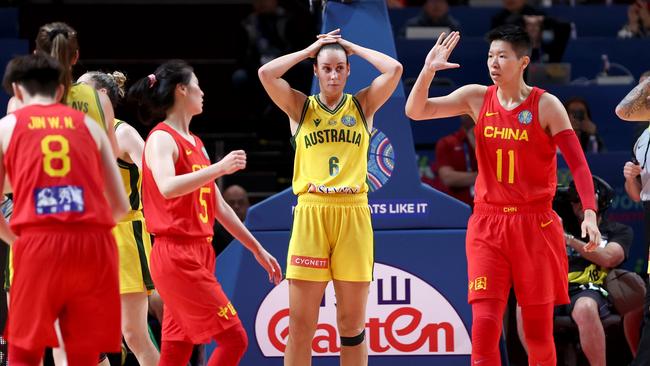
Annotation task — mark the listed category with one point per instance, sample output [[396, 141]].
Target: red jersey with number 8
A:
[[190, 215], [516, 157], [55, 169]]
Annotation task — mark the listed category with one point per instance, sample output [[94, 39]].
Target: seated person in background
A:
[[580, 116], [435, 13], [513, 12], [237, 198], [456, 162], [549, 36], [587, 271], [638, 20]]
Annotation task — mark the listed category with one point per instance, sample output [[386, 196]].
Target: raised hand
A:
[[234, 161], [321, 40], [437, 58]]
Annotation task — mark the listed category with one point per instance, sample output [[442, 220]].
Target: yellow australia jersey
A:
[[132, 182], [331, 148], [84, 98]]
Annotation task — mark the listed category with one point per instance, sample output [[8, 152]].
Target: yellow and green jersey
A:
[[132, 181], [84, 98], [331, 148]]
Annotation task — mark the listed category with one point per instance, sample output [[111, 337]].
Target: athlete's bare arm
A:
[[113, 187], [636, 104], [608, 257], [7, 125], [283, 95], [382, 87], [467, 99], [109, 120], [552, 115], [161, 153], [633, 186], [130, 143], [229, 220], [554, 119]]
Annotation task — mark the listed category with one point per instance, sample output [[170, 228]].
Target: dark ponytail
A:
[[154, 94]]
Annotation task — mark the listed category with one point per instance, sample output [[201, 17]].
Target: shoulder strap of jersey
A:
[[363, 116], [305, 107]]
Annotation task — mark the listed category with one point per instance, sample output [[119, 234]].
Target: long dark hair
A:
[[154, 94]]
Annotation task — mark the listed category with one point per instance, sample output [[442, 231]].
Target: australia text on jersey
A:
[[332, 135]]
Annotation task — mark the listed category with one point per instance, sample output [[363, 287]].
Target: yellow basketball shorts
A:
[[134, 248], [331, 238]]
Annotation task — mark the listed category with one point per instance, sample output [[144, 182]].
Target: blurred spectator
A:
[[456, 167], [268, 32], [513, 12], [237, 198], [435, 13], [585, 128], [396, 4], [588, 270], [638, 20], [414, 3], [549, 36]]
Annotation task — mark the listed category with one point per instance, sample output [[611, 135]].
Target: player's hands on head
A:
[[437, 58], [234, 161], [321, 40], [270, 265], [631, 170], [590, 227]]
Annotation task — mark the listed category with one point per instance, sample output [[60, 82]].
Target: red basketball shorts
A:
[[69, 273], [521, 246], [195, 306]]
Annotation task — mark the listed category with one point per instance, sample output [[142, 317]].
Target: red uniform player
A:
[[60, 166], [513, 238], [181, 202]]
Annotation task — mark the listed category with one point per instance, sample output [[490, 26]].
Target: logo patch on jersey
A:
[[227, 311], [313, 188], [332, 122], [59, 199], [188, 152], [349, 120], [479, 283], [317, 121], [310, 262], [490, 114], [525, 117]]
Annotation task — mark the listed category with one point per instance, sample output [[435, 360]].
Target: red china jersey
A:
[[55, 169], [516, 157], [189, 215]]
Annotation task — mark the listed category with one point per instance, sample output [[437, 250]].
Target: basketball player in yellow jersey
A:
[[59, 40], [133, 239], [331, 237]]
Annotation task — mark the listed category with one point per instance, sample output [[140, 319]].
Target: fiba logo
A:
[[381, 160], [525, 117]]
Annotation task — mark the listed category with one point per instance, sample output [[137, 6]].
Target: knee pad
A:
[[353, 341]]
